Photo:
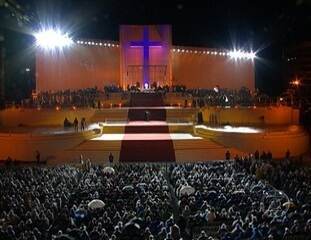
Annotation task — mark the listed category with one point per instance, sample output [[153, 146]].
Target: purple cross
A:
[[145, 43]]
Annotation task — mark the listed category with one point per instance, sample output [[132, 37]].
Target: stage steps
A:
[[194, 149], [233, 150], [170, 114], [148, 127], [110, 114], [198, 150]]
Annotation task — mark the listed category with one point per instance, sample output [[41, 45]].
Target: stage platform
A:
[[170, 136], [147, 127], [277, 139], [169, 114], [187, 147]]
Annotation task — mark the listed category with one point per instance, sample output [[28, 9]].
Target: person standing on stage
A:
[[83, 124], [38, 156], [110, 158], [76, 124]]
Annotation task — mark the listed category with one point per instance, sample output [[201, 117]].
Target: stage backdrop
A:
[[80, 66], [194, 68], [143, 51], [145, 54]]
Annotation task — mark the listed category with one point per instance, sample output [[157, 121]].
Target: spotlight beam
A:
[[52, 39]]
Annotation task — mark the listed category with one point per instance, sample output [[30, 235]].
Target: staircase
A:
[[198, 150]]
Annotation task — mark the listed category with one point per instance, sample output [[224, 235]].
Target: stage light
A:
[[238, 54], [51, 39], [251, 55], [296, 82], [27, 69]]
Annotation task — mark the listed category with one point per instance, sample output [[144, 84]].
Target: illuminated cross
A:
[[145, 43]]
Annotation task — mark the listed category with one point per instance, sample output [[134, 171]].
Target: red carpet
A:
[[135, 114], [139, 143], [146, 100]]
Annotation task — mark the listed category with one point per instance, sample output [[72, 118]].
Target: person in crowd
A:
[[110, 158], [76, 124], [83, 124], [38, 157], [228, 155], [67, 123]]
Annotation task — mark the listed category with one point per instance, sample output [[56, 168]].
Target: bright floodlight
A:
[[238, 54], [51, 39]]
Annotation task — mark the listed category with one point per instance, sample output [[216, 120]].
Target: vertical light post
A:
[[295, 83]]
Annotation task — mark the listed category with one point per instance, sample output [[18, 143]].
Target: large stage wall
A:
[[83, 66], [78, 67], [196, 69]]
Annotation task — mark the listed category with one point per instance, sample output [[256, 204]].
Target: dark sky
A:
[[265, 26]]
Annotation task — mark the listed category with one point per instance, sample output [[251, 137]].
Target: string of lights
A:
[[50, 39]]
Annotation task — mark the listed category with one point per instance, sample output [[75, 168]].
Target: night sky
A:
[[264, 26]]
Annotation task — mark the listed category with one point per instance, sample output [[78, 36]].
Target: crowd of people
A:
[[243, 205], [75, 124], [49, 203], [92, 97], [225, 97], [79, 98], [156, 202]]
